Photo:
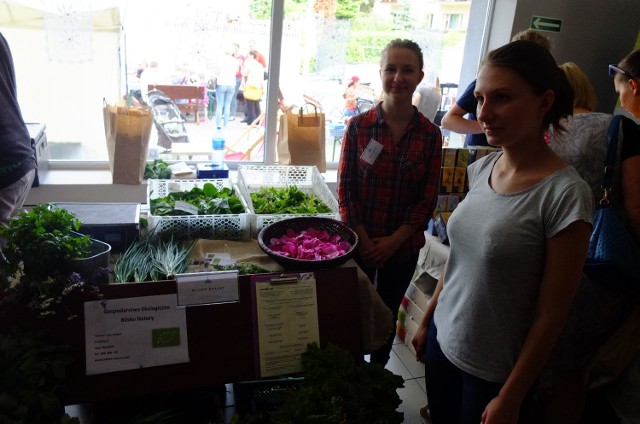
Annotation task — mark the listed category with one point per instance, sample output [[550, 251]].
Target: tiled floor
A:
[[414, 396]]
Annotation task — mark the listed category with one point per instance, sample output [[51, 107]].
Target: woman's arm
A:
[[630, 184], [565, 255], [455, 121]]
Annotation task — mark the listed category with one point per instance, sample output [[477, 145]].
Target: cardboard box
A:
[[462, 160], [452, 202], [440, 224], [459, 178], [209, 170], [449, 157], [446, 180]]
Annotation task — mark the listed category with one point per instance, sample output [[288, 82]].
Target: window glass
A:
[[67, 70]]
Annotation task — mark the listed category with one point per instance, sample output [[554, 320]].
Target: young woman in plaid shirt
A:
[[388, 179]]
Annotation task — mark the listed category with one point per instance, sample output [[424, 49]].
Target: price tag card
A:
[[203, 288]]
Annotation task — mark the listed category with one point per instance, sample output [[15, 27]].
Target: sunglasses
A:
[[613, 69]]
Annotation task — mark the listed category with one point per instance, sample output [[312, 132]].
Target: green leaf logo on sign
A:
[[542, 23]]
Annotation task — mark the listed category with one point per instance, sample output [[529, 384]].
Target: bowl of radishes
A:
[[308, 242]]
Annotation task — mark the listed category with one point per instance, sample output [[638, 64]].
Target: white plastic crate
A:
[[252, 178], [191, 227]]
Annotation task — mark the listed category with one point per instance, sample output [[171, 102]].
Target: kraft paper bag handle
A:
[[308, 120]]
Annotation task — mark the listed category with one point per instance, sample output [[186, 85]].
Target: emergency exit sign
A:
[[542, 23]]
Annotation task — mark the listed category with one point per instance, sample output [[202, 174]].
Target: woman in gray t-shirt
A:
[[518, 244]]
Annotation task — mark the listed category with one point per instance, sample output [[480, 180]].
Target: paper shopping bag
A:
[[127, 131], [301, 138]]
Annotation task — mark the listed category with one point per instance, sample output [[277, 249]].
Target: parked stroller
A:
[[167, 118]]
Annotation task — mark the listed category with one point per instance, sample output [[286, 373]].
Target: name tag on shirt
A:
[[371, 152]]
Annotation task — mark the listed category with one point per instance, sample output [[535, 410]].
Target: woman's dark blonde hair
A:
[[407, 44], [534, 64], [533, 36], [584, 96]]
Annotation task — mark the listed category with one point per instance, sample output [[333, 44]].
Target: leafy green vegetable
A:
[[336, 390], [208, 200], [42, 239], [289, 200], [158, 169]]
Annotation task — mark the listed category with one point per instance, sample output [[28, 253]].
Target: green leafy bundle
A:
[[208, 200], [288, 200], [158, 169], [41, 239], [336, 390]]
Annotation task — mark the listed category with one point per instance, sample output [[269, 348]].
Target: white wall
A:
[[47, 90]]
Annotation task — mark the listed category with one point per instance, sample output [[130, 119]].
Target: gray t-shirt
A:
[[495, 267]]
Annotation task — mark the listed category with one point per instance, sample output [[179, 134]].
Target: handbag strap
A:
[[610, 159]]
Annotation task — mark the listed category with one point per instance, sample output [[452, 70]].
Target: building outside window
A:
[[454, 21]]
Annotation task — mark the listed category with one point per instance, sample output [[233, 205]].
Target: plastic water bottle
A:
[[217, 154]]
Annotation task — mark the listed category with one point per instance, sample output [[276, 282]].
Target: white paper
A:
[[287, 315], [131, 333], [202, 288], [372, 151]]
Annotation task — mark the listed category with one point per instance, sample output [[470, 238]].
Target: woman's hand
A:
[[501, 411], [383, 248], [419, 341]]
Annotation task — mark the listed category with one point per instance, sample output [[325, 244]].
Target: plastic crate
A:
[[252, 178], [191, 227]]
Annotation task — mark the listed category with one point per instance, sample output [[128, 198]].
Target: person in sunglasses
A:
[[627, 82], [598, 308]]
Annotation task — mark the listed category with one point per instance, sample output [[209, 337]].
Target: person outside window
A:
[[254, 77], [427, 99], [226, 84], [518, 243], [350, 96], [234, 100], [388, 179]]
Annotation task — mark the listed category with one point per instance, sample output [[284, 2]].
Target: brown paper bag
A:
[[301, 138], [127, 131]]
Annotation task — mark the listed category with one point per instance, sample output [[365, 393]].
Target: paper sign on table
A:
[[287, 321], [201, 288], [131, 333]]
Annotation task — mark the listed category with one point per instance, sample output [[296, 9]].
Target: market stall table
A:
[[221, 337]]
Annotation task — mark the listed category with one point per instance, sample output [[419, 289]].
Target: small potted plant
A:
[[43, 242]]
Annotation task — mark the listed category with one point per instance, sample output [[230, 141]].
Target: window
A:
[[320, 45], [454, 21], [428, 21]]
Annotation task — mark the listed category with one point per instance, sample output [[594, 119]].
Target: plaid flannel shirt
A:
[[400, 187]]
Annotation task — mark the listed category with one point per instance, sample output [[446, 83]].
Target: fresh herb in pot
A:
[[41, 240]]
